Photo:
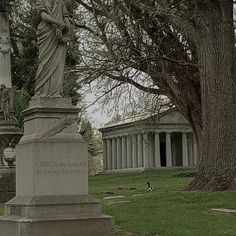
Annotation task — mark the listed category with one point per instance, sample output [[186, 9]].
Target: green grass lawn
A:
[[168, 210]]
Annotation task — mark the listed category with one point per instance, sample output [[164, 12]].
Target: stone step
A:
[[90, 225]]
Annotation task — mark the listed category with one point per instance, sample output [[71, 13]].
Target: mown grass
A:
[[167, 211]]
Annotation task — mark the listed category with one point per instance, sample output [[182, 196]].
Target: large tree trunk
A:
[[216, 56]]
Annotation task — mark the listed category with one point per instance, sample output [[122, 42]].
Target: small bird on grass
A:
[[149, 187]]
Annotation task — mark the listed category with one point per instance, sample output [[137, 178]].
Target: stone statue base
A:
[[52, 177], [55, 216]]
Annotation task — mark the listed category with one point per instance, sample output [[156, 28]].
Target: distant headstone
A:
[[221, 211]]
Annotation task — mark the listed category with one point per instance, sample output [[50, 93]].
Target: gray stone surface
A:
[[91, 225], [113, 197], [52, 154], [5, 46], [52, 178], [55, 215], [53, 206], [52, 35], [220, 211]]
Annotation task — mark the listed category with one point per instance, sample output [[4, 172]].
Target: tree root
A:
[[220, 180]]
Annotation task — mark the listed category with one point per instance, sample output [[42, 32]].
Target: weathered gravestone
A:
[[52, 168]]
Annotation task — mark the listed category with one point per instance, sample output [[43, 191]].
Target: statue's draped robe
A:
[[52, 51]]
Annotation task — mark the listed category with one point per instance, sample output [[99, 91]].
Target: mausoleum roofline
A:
[[137, 119]]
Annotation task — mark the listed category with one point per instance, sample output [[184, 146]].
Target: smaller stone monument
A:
[[10, 134]]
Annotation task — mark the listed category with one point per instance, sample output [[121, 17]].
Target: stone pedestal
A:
[[52, 177]]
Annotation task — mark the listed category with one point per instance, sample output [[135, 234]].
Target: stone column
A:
[[140, 151], [146, 158], [173, 150], [124, 152], [109, 154], [157, 150], [185, 149], [118, 148], [114, 152], [5, 49], [190, 149], [195, 154], [129, 152], [134, 151], [151, 148], [168, 150], [105, 164]]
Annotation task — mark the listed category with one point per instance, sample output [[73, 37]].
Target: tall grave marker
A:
[[9, 132], [52, 169]]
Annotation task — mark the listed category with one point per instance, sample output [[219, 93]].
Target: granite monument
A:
[[52, 168]]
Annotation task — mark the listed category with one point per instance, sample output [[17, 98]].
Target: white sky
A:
[[95, 114]]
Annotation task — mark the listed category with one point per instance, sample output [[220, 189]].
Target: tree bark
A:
[[217, 71]]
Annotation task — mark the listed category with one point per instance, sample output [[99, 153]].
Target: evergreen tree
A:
[[94, 141]]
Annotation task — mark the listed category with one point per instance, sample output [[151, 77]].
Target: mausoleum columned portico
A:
[[163, 140]]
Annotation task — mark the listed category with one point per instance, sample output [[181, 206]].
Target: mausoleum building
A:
[[162, 140]]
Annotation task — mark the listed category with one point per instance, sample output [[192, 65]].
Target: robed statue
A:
[[52, 35]]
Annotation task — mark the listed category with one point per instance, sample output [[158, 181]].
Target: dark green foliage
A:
[[20, 103], [23, 37], [94, 142]]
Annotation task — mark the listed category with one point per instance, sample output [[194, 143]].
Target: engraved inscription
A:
[[16, 211], [60, 167]]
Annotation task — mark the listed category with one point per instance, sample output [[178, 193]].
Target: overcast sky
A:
[[95, 114]]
